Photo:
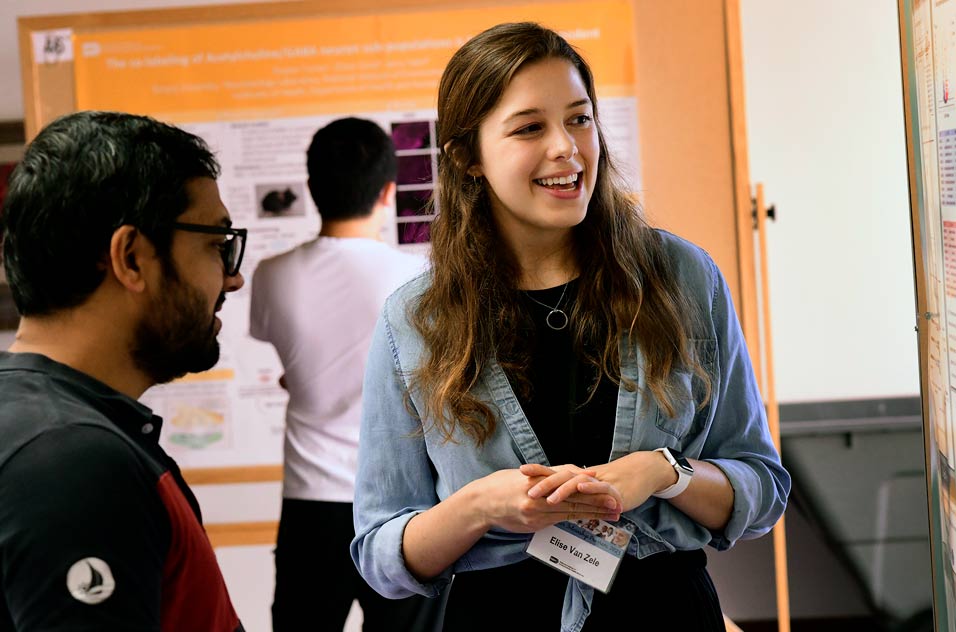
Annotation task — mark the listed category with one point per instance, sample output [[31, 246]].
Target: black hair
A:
[[349, 161], [83, 176]]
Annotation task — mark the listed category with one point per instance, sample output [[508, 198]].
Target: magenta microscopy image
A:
[[415, 169], [412, 135], [414, 233], [410, 203]]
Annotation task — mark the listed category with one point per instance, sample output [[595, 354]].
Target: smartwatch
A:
[[684, 473]]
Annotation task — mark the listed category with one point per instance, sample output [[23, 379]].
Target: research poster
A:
[[256, 92], [929, 54]]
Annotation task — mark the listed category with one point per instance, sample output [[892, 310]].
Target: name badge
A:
[[588, 550]]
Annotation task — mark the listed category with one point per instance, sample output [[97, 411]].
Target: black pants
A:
[[667, 591], [316, 580]]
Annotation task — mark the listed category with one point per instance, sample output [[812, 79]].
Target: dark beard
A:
[[176, 337]]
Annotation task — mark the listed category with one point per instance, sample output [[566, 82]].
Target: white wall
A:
[[825, 125]]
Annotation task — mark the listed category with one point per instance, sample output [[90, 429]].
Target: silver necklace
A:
[[561, 319]]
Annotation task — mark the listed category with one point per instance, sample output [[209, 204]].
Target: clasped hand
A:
[[537, 496], [630, 480]]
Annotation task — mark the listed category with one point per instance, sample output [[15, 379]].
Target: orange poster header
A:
[[310, 66]]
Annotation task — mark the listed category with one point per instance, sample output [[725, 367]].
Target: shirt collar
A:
[[131, 416]]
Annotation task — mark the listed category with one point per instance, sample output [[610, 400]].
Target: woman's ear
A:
[[461, 158], [128, 250]]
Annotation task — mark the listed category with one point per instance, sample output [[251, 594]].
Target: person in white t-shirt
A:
[[317, 305]]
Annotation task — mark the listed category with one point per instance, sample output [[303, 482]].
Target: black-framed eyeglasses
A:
[[232, 249]]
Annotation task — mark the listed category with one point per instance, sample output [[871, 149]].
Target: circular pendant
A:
[[557, 319]]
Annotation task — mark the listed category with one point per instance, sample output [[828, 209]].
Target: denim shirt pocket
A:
[[689, 390]]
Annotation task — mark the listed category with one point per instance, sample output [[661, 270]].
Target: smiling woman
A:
[[538, 153], [556, 327]]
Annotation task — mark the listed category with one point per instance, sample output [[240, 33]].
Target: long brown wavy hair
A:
[[472, 312]]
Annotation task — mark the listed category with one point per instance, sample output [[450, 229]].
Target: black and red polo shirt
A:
[[98, 529]]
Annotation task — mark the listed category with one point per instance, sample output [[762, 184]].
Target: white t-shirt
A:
[[317, 304]]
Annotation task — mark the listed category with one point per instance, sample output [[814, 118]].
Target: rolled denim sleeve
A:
[[395, 478], [739, 442]]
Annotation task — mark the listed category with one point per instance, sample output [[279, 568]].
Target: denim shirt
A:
[[403, 470]]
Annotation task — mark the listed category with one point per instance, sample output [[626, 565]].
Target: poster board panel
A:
[[928, 56]]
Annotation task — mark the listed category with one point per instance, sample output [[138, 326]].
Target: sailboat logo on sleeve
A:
[[90, 580]]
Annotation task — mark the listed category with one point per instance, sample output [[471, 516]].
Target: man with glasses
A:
[[119, 252]]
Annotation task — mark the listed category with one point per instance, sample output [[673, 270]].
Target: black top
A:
[[98, 530], [570, 428]]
